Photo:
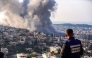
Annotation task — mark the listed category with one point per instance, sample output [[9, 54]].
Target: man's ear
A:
[[65, 35]]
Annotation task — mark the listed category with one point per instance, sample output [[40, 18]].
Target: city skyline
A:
[[63, 22]]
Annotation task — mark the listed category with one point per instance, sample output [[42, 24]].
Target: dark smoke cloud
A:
[[31, 14], [25, 7]]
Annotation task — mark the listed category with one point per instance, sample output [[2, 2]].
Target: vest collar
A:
[[71, 38]]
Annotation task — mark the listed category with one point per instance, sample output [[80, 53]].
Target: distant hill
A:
[[79, 25]]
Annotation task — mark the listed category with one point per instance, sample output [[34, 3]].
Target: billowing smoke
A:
[[31, 14]]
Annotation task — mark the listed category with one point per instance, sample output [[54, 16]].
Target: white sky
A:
[[73, 11]]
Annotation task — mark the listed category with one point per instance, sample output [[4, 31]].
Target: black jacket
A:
[[1, 55], [72, 48]]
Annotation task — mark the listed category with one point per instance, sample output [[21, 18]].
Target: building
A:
[[45, 55], [48, 55], [86, 57], [22, 55], [54, 49], [22, 40], [4, 50]]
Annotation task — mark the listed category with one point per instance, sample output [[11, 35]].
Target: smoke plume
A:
[[33, 15]]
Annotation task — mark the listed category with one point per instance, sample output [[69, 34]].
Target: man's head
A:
[[69, 33]]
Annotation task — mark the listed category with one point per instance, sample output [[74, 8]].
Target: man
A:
[[72, 48], [1, 55]]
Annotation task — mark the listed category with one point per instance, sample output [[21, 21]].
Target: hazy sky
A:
[[73, 11]]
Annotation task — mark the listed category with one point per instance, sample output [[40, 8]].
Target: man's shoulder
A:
[[66, 42], [69, 41], [78, 40]]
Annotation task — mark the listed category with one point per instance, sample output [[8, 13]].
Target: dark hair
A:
[[69, 31]]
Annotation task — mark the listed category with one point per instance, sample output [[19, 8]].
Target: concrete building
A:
[[22, 55], [54, 49], [4, 50], [47, 55], [86, 57]]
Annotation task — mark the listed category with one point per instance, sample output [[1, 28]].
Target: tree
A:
[[33, 55], [90, 47], [59, 51]]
